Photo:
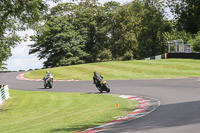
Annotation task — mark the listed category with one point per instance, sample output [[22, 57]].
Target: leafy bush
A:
[[127, 56], [104, 55], [195, 42]]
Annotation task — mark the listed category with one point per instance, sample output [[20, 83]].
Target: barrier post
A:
[[1, 100], [165, 55], [4, 93], [6, 89]]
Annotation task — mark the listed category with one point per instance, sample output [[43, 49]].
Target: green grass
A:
[[122, 70], [56, 112]]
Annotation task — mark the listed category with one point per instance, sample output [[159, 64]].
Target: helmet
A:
[[48, 72], [95, 73]]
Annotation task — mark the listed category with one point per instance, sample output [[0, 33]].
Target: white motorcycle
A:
[[48, 82]]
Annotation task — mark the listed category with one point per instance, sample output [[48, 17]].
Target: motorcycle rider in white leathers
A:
[[48, 75]]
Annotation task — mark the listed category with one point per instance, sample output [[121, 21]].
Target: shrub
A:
[[104, 55], [127, 56], [195, 43]]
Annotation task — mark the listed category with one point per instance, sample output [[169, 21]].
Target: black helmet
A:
[[95, 73]]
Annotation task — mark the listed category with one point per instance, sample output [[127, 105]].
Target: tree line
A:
[[86, 31]]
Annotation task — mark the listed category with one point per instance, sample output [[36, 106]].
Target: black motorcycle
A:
[[103, 86], [48, 82]]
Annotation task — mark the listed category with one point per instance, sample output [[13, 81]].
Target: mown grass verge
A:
[[56, 112], [122, 70]]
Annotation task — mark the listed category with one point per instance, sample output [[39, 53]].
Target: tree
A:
[[187, 14], [87, 24], [195, 42], [61, 40], [154, 24], [87, 31], [97, 29], [16, 15], [126, 27], [110, 25]]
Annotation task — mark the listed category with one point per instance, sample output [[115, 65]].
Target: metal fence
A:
[[158, 57], [4, 93]]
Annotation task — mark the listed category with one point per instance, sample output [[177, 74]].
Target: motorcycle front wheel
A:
[[107, 88], [50, 85], [100, 90]]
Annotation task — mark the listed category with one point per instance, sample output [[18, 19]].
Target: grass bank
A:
[[51, 112], [122, 70]]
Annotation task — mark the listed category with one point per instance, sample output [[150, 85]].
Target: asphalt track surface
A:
[[179, 111]]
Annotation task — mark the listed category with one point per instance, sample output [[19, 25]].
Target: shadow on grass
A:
[[76, 128], [3, 110]]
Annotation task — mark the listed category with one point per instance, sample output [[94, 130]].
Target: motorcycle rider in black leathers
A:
[[97, 78]]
